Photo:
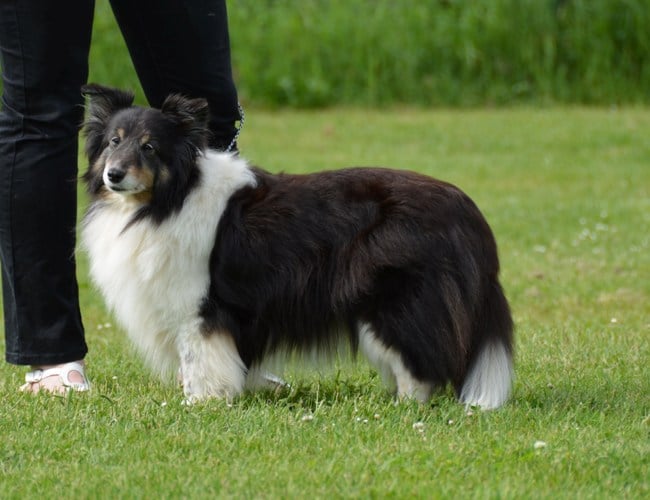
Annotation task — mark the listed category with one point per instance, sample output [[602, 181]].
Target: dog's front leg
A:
[[210, 364]]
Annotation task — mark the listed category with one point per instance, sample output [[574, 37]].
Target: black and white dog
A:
[[215, 265]]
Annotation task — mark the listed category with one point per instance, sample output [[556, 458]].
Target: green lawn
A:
[[567, 192]]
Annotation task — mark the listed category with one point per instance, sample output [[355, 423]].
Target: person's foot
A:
[[57, 379]]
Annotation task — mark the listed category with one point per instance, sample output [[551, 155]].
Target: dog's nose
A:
[[115, 175]]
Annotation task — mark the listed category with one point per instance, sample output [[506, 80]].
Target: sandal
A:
[[63, 372]]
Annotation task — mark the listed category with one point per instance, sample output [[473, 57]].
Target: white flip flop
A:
[[63, 372]]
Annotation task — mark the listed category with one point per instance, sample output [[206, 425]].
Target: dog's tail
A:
[[489, 377]]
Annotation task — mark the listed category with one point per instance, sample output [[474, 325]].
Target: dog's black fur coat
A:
[[297, 257]]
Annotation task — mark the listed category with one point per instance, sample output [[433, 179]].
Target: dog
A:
[[213, 266]]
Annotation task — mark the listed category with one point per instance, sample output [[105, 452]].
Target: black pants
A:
[[176, 46]]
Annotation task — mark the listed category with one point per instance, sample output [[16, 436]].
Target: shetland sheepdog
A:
[[213, 266]]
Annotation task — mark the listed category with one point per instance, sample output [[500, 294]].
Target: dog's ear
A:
[[103, 102], [191, 115]]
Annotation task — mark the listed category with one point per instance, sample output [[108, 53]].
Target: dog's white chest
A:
[[155, 276], [148, 270]]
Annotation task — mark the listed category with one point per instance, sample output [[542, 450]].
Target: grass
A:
[[441, 52], [567, 192], [444, 52]]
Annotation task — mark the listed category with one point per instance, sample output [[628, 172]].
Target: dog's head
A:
[[146, 154]]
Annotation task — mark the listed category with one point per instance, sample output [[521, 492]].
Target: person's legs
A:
[[44, 56], [182, 46]]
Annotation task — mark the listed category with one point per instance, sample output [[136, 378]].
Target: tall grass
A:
[[313, 53], [447, 52]]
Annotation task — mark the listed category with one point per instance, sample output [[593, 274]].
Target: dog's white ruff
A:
[[154, 277]]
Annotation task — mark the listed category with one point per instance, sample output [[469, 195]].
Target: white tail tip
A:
[[489, 379]]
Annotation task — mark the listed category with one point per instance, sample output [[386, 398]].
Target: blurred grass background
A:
[[316, 53]]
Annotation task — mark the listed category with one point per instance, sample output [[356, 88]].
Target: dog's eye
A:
[[115, 141], [148, 148]]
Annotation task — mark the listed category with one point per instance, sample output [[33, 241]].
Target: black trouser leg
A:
[[183, 47], [44, 53]]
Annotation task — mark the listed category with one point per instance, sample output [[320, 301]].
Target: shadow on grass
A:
[[310, 394], [577, 394]]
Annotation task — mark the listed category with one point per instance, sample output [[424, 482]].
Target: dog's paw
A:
[[257, 379], [195, 400], [197, 391], [274, 382]]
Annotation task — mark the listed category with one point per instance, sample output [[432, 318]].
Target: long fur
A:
[[214, 265]]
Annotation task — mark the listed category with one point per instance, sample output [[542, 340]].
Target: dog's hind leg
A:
[[210, 364], [390, 366]]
